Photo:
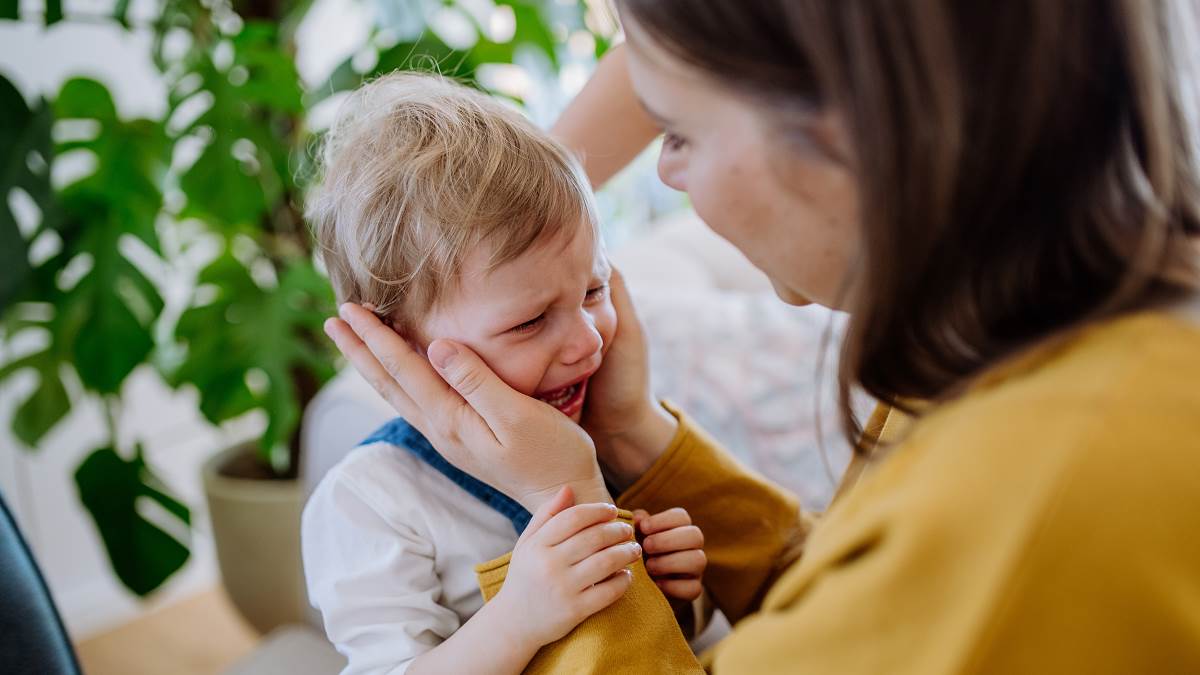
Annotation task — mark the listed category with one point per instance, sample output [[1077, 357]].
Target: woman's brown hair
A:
[[1023, 166]]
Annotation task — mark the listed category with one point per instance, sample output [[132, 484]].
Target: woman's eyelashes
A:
[[673, 141], [597, 293]]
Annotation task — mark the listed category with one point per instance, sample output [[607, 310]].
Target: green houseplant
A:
[[225, 167]]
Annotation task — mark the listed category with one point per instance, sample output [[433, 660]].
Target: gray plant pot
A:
[[256, 527]]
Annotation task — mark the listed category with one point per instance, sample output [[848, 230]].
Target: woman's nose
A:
[[672, 170], [583, 341]]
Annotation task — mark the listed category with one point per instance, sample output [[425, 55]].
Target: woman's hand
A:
[[674, 549], [629, 427], [519, 445], [570, 563]]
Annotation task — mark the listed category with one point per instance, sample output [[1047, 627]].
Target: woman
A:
[[1005, 198]]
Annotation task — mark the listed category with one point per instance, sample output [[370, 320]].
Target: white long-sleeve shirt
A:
[[389, 546]]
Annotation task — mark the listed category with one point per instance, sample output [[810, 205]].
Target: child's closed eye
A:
[[529, 326]]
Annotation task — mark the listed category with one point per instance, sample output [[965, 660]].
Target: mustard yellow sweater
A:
[[1048, 521]]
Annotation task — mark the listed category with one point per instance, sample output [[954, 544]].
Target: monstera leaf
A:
[[102, 318], [243, 171], [142, 553], [429, 52], [102, 307], [26, 152], [108, 314], [246, 346]]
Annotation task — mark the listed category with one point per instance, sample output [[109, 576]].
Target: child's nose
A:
[[583, 341]]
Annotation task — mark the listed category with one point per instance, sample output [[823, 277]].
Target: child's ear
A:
[[413, 343], [416, 347]]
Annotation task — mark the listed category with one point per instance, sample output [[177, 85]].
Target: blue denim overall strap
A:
[[400, 433]]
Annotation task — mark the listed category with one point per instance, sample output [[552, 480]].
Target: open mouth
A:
[[568, 400]]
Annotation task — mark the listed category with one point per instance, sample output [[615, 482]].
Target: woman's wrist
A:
[[628, 455], [586, 492]]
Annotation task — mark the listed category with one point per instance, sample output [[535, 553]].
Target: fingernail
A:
[[343, 309], [634, 548], [328, 326], [626, 530], [442, 354]]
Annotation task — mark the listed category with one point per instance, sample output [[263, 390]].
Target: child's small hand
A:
[[674, 552], [569, 563]]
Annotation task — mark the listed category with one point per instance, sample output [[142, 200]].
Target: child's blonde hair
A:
[[417, 172]]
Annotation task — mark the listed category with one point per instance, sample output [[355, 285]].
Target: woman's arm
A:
[[753, 532], [605, 124], [753, 529]]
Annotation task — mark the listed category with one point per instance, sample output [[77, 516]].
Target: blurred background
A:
[[161, 308]]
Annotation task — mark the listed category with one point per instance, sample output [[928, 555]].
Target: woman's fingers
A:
[[408, 370], [496, 402], [665, 520], [621, 301], [595, 538], [681, 562], [521, 446], [364, 361], [604, 563], [569, 522], [681, 589], [677, 539]]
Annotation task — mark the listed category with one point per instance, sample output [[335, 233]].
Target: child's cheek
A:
[[513, 366], [606, 324]]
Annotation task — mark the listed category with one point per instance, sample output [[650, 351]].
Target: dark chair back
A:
[[32, 638]]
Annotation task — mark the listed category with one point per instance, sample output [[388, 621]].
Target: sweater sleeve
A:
[[753, 529], [753, 532]]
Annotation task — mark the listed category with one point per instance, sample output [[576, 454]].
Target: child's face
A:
[[542, 321]]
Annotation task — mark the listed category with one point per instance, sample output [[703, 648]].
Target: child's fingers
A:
[[678, 539], [603, 564], [640, 515], [669, 519], [567, 523], [601, 595], [684, 562], [594, 538], [680, 589], [563, 500]]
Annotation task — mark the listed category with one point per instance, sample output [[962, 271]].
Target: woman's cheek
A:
[[712, 195]]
